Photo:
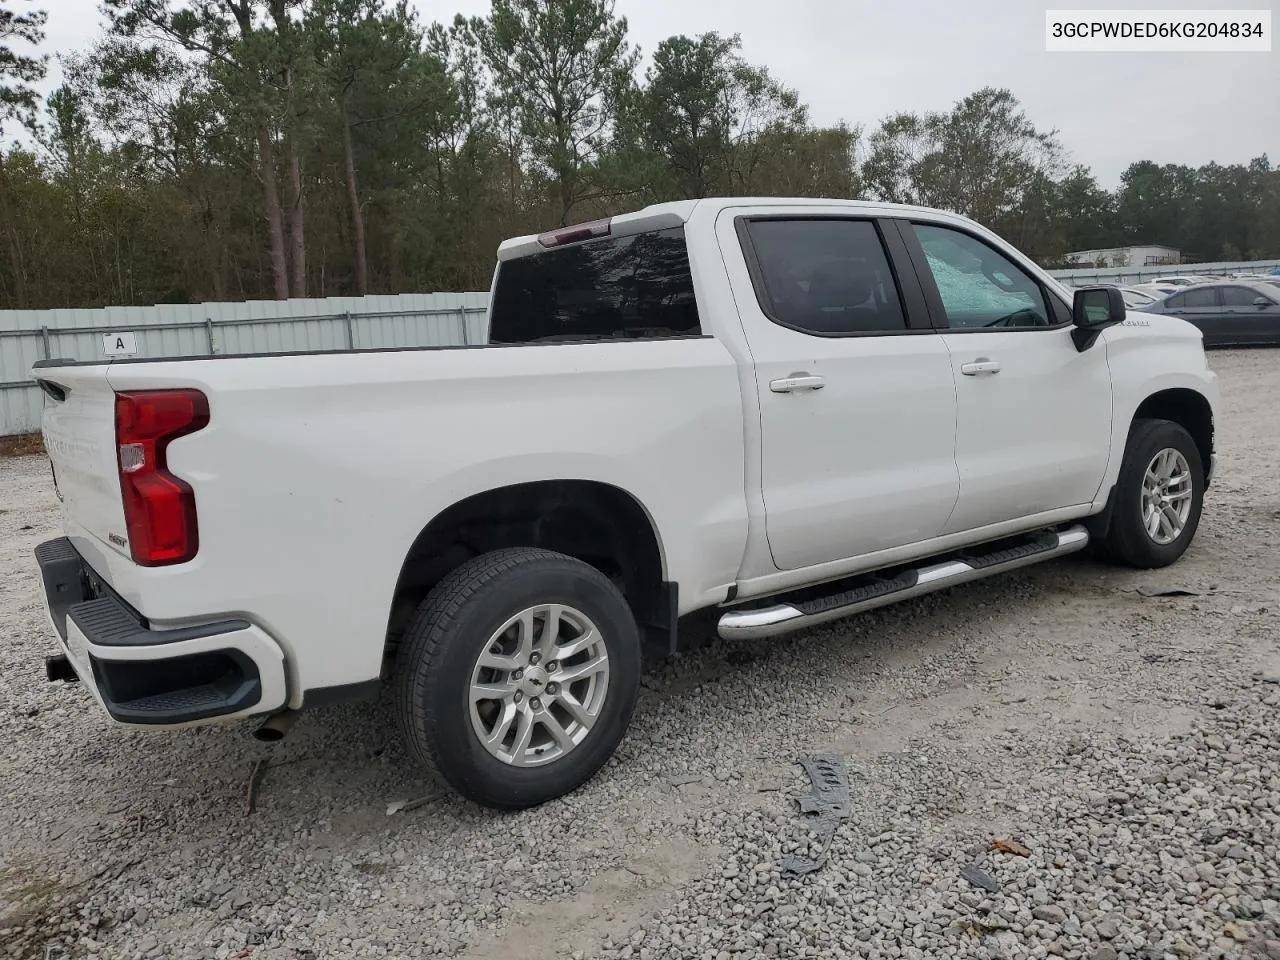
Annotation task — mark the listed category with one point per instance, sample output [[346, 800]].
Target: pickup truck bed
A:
[[789, 409]]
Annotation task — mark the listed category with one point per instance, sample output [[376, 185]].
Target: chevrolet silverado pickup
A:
[[789, 410]]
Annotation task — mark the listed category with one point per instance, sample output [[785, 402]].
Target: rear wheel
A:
[[518, 676], [1158, 497]]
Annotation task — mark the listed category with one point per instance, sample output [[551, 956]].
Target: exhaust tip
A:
[[275, 727]]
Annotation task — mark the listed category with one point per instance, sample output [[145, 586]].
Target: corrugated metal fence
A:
[[255, 326], [336, 323]]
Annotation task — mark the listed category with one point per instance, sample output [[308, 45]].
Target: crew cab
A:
[[789, 410]]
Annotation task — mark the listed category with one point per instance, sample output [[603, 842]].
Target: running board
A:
[[971, 565]]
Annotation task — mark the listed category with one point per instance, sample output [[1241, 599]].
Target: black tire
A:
[[1127, 541], [448, 633]]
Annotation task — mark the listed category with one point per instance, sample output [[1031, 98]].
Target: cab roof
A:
[[674, 213]]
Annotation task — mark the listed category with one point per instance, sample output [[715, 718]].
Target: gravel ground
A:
[[1125, 741]]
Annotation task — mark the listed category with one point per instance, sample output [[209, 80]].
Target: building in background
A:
[[1150, 255]]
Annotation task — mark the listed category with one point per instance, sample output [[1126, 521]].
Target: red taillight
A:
[[577, 233], [159, 509]]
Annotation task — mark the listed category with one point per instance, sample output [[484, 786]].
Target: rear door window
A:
[[1199, 298], [615, 288], [825, 276]]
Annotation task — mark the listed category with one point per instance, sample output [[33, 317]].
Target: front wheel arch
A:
[[1126, 539], [1188, 408]]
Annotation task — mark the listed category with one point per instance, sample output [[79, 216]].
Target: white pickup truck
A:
[[790, 410]]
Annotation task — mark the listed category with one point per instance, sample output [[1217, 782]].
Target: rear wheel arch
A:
[[595, 522], [494, 697]]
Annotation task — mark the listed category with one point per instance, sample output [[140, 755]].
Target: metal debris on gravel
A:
[[825, 807], [1168, 591]]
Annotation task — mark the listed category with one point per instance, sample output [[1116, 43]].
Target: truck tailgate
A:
[[80, 437]]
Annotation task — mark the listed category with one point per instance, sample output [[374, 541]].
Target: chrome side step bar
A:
[[787, 617]]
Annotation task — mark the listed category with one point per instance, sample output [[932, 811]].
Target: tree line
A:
[[233, 149]]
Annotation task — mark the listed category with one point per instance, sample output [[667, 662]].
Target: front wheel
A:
[[1158, 497], [518, 676]]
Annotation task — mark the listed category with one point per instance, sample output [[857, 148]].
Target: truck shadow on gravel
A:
[[350, 757], [343, 766]]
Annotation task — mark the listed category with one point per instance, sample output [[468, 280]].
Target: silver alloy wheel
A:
[[539, 685], [1166, 496]]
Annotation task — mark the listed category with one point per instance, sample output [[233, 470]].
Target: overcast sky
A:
[[859, 60]]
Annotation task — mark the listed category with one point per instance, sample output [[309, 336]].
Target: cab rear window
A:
[[614, 288]]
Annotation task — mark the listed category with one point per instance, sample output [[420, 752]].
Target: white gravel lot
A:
[[1127, 741]]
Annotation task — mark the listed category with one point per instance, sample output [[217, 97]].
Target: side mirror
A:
[[1261, 302], [1092, 309]]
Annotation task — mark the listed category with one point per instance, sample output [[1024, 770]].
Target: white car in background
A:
[[1136, 298], [1154, 289], [1188, 280]]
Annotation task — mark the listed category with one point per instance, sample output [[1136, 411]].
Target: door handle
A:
[[797, 382], [979, 367]]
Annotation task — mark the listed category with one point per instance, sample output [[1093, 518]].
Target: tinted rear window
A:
[[1202, 297], [615, 288]]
